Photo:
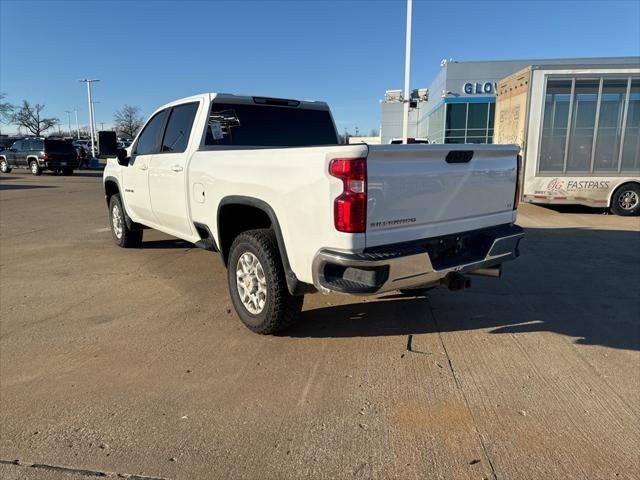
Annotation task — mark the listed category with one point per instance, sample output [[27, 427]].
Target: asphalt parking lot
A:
[[132, 362]]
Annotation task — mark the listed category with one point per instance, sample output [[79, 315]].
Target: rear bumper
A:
[[53, 164], [416, 264]]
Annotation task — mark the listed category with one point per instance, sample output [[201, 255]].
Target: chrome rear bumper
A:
[[416, 264]]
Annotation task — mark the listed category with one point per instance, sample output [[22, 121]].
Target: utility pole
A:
[[92, 126], [407, 70], [68, 112], [77, 124]]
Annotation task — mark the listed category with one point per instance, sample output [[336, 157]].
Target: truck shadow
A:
[[88, 173], [576, 209], [581, 283], [167, 244], [14, 186]]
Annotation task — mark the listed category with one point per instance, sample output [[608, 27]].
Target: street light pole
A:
[[91, 115], [77, 124], [68, 112], [407, 69]]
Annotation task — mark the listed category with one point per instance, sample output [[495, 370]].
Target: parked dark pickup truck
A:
[[39, 154]]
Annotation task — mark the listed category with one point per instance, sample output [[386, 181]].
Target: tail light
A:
[[45, 157], [516, 199], [350, 208]]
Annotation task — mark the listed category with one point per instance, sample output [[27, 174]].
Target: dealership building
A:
[[459, 105]]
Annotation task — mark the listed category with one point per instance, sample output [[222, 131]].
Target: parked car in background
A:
[[410, 140], [265, 182], [126, 142], [38, 154], [86, 144]]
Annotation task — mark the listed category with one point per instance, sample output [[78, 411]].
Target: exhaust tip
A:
[[495, 272]]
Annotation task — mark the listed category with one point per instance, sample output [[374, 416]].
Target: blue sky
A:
[[347, 53]]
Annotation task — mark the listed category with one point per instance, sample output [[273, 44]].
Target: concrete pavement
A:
[[133, 363]]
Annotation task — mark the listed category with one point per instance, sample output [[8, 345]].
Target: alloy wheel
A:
[[251, 283]]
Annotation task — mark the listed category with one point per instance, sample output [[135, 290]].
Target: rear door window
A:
[[269, 126], [150, 136], [176, 136]]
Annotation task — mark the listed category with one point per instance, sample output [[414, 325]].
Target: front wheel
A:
[[122, 235], [35, 168], [4, 166], [257, 283], [626, 200]]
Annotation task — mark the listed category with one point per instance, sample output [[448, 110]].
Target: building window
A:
[[492, 114], [469, 122], [610, 125], [456, 123], [435, 131], [585, 123], [554, 125], [631, 146], [477, 118], [583, 120]]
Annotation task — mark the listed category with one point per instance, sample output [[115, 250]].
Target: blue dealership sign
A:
[[479, 88]]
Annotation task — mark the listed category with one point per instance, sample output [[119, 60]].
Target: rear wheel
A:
[[257, 283], [626, 200], [35, 168], [122, 235], [4, 166]]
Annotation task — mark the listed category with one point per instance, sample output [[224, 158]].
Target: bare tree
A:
[[84, 131], [6, 109], [128, 121], [374, 132], [28, 116]]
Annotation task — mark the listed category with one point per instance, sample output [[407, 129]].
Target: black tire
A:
[[4, 166], [626, 200], [280, 309], [67, 171], [415, 291], [122, 235], [35, 168]]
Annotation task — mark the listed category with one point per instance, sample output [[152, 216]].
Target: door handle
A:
[[176, 168], [143, 166]]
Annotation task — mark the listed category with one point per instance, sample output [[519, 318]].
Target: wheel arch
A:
[[111, 187], [248, 213], [621, 184]]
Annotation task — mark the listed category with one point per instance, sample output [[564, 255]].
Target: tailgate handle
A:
[[459, 156]]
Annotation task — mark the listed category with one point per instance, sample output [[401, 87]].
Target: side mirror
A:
[[121, 155]]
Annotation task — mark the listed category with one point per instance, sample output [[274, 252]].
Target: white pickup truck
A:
[[266, 183]]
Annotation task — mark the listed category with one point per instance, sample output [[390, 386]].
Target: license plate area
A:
[[458, 249]]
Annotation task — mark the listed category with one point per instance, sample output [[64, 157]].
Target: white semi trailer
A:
[[579, 133]]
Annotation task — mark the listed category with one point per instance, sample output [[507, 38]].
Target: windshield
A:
[[269, 126]]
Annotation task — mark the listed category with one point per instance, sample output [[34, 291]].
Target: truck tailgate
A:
[[414, 193]]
